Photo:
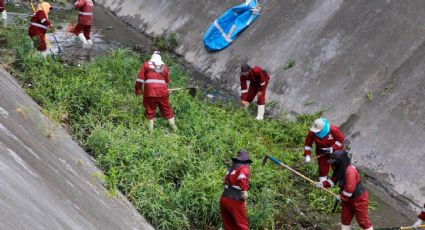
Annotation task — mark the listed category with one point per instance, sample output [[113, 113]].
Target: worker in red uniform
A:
[[421, 219], [39, 25], [258, 81], [328, 138], [3, 10], [154, 76], [353, 197], [236, 186], [85, 20]]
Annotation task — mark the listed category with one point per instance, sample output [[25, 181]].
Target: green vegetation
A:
[[166, 42], [173, 178], [289, 64]]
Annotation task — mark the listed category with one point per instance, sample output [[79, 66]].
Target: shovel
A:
[[192, 90]]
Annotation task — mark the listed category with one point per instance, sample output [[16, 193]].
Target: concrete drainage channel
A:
[[108, 32]]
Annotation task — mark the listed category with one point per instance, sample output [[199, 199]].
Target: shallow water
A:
[[109, 32]]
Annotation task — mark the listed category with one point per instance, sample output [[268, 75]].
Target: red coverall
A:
[[258, 83], [357, 206], [156, 91], [422, 214], [233, 212], [334, 139], [85, 17], [1, 6], [38, 28]]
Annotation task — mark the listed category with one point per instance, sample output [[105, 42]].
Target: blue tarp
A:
[[225, 29]]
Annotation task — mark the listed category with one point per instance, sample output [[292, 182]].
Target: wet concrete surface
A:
[[108, 33], [359, 61], [47, 180]]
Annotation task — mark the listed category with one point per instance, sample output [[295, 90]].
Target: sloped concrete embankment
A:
[[47, 180], [360, 61]]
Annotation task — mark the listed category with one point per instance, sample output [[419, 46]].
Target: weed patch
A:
[[173, 179]]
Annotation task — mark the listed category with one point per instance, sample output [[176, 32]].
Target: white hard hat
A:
[[318, 125]]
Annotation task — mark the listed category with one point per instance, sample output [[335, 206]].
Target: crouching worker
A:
[[154, 77], [39, 25], [236, 185], [421, 219], [354, 198], [258, 81], [3, 10], [328, 138]]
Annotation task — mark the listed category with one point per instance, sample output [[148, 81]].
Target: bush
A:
[[173, 179]]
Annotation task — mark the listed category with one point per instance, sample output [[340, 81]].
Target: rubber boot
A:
[[260, 114], [150, 125], [90, 42], [84, 40], [323, 178], [4, 15], [172, 123], [371, 228], [345, 227]]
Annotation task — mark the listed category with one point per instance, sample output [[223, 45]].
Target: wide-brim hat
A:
[[243, 156], [318, 125]]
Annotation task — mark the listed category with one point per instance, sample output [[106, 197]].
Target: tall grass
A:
[[173, 178]]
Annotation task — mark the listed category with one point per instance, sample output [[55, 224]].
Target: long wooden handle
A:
[[176, 89], [313, 158], [299, 174], [421, 226]]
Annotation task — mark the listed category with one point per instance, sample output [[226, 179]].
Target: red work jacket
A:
[[334, 139], [39, 23], [1, 6], [351, 179], [238, 178], [257, 77], [85, 14], [422, 214], [155, 83]]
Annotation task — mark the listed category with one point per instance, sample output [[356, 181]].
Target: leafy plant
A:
[[173, 178]]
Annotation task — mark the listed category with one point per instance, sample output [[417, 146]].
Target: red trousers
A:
[[150, 104], [85, 28], [323, 164], [356, 207], [40, 42], [233, 213], [252, 92]]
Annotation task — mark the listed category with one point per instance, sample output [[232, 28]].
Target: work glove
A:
[[307, 159], [417, 223], [338, 198], [244, 194], [319, 184], [259, 94], [328, 150]]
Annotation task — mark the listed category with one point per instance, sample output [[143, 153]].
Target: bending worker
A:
[[39, 25], [236, 185], [354, 198], [154, 76], [258, 81], [421, 219], [328, 138], [85, 20], [3, 10]]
